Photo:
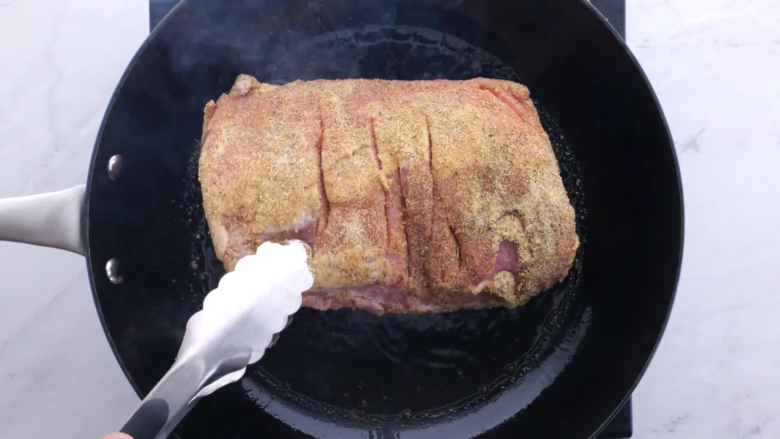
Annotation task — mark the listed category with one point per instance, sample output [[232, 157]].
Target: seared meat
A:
[[416, 197]]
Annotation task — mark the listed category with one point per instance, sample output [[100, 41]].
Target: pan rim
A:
[[92, 167], [678, 176]]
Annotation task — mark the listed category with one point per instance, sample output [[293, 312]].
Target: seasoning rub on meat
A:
[[414, 196]]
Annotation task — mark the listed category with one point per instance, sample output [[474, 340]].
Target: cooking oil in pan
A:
[[359, 370]]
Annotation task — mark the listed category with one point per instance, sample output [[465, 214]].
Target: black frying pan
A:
[[557, 368]]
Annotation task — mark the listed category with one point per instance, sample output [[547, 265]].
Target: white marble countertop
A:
[[714, 65]]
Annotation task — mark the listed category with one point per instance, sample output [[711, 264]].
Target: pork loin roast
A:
[[415, 196]]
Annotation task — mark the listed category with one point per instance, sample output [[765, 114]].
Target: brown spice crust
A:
[[427, 187]]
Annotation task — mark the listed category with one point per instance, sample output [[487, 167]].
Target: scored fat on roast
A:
[[414, 196]]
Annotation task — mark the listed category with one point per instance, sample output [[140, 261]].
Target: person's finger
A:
[[117, 436]]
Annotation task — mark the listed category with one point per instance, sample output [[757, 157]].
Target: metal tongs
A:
[[239, 321]]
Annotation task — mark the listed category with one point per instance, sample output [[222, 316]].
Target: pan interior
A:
[[358, 369]]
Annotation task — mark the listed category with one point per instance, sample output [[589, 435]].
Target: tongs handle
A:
[[239, 321], [148, 421], [177, 392], [167, 403]]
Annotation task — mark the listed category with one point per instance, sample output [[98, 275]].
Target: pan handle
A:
[[51, 220]]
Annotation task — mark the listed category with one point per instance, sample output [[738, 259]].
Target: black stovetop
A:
[[615, 12]]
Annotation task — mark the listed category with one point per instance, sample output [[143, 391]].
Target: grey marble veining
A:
[[714, 65]]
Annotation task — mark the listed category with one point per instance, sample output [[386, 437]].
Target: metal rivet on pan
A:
[[115, 166], [274, 339], [114, 271]]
